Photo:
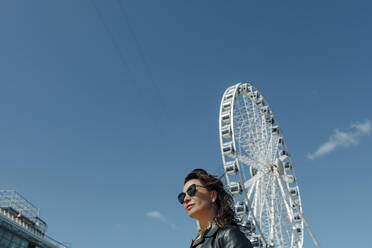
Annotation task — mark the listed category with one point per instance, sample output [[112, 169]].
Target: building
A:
[[21, 225]]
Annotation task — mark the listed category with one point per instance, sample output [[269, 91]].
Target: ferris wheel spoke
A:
[[263, 197], [256, 206], [247, 129], [253, 187], [251, 121], [272, 217], [265, 209], [284, 197], [279, 233], [256, 127], [285, 216], [265, 137], [271, 203], [290, 215], [243, 147], [253, 180]]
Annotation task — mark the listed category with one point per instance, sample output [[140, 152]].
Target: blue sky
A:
[[101, 120]]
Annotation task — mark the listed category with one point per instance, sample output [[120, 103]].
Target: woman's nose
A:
[[187, 198]]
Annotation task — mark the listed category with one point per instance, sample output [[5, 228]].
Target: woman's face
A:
[[200, 204]]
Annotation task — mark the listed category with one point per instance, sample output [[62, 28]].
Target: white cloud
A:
[[363, 128], [343, 139], [155, 214], [158, 215]]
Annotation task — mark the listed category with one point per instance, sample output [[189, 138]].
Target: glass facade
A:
[[9, 240]]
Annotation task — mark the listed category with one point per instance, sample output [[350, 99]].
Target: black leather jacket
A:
[[228, 237]]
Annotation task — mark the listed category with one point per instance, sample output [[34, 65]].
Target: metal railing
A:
[[16, 204], [25, 215], [29, 230], [10, 198]]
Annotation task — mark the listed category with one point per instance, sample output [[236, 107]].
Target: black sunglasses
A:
[[191, 191]]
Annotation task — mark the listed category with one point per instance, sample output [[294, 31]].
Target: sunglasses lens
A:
[[181, 197], [191, 190]]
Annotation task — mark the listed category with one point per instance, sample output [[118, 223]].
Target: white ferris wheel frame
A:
[[281, 172]]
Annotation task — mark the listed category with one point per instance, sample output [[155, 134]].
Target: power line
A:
[[138, 45], [121, 56], [116, 45], [148, 70]]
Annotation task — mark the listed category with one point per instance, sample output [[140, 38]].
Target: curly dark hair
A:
[[224, 212]]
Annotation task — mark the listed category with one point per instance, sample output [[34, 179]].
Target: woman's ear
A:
[[213, 196]]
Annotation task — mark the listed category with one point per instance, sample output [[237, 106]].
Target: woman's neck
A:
[[206, 221]]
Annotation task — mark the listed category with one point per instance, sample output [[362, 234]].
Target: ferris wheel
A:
[[259, 170]]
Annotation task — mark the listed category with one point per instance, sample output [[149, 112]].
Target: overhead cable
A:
[[140, 50]]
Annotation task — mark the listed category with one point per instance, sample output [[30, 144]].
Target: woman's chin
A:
[[193, 213]]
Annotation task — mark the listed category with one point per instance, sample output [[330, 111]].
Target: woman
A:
[[205, 199]]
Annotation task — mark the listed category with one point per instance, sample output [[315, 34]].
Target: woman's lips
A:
[[189, 206]]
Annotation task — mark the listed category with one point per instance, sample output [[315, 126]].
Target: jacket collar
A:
[[212, 230], [210, 233]]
